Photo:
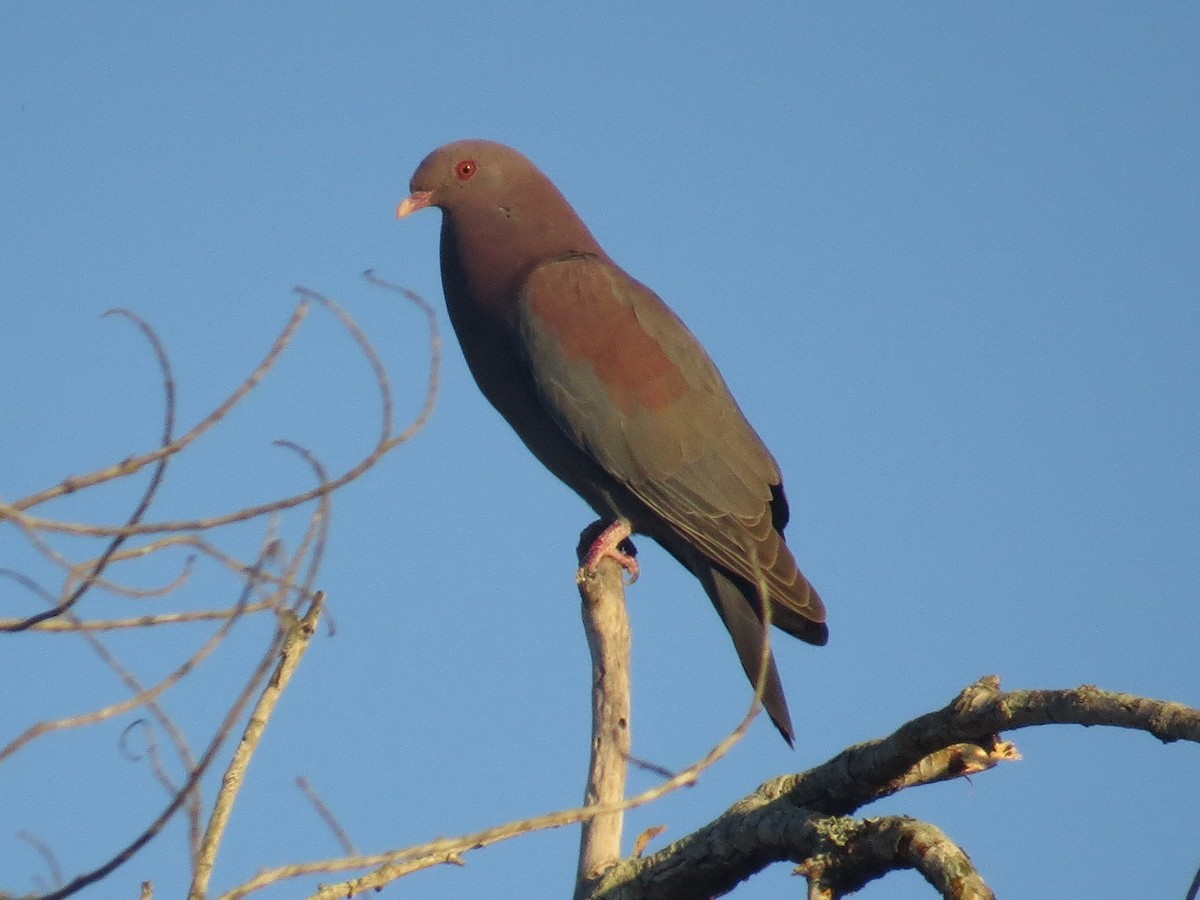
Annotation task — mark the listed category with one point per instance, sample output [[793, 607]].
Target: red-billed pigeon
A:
[[611, 391]]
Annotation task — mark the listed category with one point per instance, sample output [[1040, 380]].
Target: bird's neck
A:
[[490, 251]]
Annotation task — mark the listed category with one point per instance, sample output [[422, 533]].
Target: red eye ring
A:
[[466, 170]]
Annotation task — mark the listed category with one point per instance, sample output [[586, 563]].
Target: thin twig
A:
[[16, 510], [141, 697], [137, 463], [296, 637], [164, 365], [322, 809], [435, 354], [317, 533], [206, 759], [47, 855]]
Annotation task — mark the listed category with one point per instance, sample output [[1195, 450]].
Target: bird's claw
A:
[[610, 544]]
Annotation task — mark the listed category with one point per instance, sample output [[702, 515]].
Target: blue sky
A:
[[946, 256]]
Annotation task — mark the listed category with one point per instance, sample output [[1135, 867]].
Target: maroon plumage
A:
[[609, 389]]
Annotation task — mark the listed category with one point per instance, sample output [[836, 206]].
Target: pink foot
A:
[[609, 544]]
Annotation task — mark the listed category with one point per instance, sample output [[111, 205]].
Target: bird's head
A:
[[497, 202], [467, 174]]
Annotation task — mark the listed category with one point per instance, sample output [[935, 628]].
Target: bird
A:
[[612, 393]]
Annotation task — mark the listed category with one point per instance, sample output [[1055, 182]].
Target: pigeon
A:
[[609, 389]]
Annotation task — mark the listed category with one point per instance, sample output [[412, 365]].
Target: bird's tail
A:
[[737, 603]]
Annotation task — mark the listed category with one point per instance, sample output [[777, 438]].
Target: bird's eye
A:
[[466, 170]]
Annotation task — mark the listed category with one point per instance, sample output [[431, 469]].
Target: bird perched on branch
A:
[[608, 388]]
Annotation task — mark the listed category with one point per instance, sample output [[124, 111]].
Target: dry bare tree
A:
[[808, 818]]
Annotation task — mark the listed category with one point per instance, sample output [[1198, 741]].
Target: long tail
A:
[[737, 603]]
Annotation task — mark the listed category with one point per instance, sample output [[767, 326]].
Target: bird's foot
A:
[[614, 543]]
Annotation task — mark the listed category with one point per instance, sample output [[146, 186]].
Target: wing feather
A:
[[629, 385]]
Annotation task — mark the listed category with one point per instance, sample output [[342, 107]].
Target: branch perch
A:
[[606, 622], [793, 817]]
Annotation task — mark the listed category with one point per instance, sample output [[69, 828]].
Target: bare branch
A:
[[435, 354], [194, 776], [316, 535], [387, 442], [327, 816], [292, 582], [164, 364], [47, 855], [398, 863], [142, 696], [789, 817], [606, 622], [804, 817], [858, 852], [137, 463], [296, 637]]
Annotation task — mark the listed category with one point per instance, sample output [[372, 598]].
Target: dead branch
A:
[[807, 818], [793, 816], [277, 581], [296, 636], [861, 851], [606, 623]]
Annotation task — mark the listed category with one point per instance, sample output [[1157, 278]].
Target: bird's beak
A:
[[414, 201]]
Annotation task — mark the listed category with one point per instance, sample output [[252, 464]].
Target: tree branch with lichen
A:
[[802, 817]]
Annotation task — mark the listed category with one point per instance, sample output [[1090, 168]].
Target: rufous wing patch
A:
[[593, 318]]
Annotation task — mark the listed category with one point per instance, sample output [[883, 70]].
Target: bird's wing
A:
[[630, 385]]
